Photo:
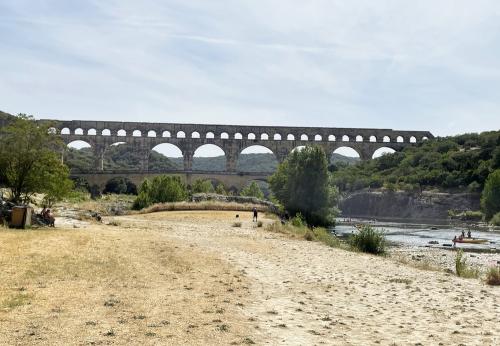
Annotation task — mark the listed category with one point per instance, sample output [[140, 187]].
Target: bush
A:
[[259, 223], [493, 276], [369, 240], [495, 220], [298, 220], [237, 224], [252, 190], [202, 186], [160, 190], [462, 268]]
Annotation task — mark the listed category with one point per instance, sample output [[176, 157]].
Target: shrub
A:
[[493, 276], [252, 190], [259, 223], [202, 186], [298, 220], [369, 240], [495, 220], [462, 268], [237, 224], [160, 190]]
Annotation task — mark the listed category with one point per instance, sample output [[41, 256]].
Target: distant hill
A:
[[120, 157], [5, 116]]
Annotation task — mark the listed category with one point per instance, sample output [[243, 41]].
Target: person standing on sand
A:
[[254, 214]]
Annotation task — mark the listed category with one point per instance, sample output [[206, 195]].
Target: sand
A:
[[192, 278]]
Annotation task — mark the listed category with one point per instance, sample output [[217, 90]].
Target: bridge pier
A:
[[99, 157], [188, 160]]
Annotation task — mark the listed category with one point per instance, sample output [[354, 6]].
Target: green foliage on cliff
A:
[[460, 162], [302, 185], [490, 199]]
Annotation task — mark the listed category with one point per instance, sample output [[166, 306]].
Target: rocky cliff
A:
[[406, 205]]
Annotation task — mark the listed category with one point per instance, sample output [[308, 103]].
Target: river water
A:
[[415, 234]]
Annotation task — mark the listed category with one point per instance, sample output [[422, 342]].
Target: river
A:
[[417, 234]]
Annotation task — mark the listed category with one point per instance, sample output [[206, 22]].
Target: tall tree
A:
[[302, 184], [29, 162], [252, 190], [490, 198]]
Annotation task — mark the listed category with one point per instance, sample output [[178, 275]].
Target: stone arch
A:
[[359, 138], [251, 136], [166, 134], [81, 153], [209, 157], [413, 139], [238, 135], [167, 157], [347, 152], [92, 132], [106, 132], [400, 139], [79, 131], [151, 133], [137, 133], [121, 133], [345, 138], [256, 158], [290, 137], [224, 135], [264, 137], [304, 137], [195, 134], [331, 138], [318, 138], [298, 148], [210, 135], [277, 137], [181, 134], [386, 139], [382, 151], [373, 139], [52, 131], [425, 138], [79, 144], [65, 131]]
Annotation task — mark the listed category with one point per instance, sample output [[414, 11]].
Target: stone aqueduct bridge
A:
[[232, 139]]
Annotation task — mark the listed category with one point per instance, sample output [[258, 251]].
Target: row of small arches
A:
[[225, 135]]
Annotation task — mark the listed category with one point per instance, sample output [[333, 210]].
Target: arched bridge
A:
[[232, 139]]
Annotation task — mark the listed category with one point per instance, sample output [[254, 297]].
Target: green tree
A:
[[303, 185], [202, 186], [29, 162], [490, 198], [252, 190], [160, 189]]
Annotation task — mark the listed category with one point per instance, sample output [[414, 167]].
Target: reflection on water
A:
[[423, 235]]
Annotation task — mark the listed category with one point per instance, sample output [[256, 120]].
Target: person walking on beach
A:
[[254, 214]]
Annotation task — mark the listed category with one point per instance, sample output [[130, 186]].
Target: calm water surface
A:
[[421, 235]]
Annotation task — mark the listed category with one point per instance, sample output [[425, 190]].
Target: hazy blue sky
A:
[[426, 64]]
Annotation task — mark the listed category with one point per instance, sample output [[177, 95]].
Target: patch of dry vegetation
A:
[[114, 285], [315, 234], [205, 205]]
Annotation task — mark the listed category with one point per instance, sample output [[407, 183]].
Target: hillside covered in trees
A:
[[120, 157], [451, 163]]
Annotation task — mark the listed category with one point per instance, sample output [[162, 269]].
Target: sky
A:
[[407, 65]]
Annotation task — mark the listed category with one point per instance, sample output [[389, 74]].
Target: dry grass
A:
[[317, 234], [107, 285], [205, 205], [493, 276]]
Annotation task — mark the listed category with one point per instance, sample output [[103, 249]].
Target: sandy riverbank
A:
[[192, 278]]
